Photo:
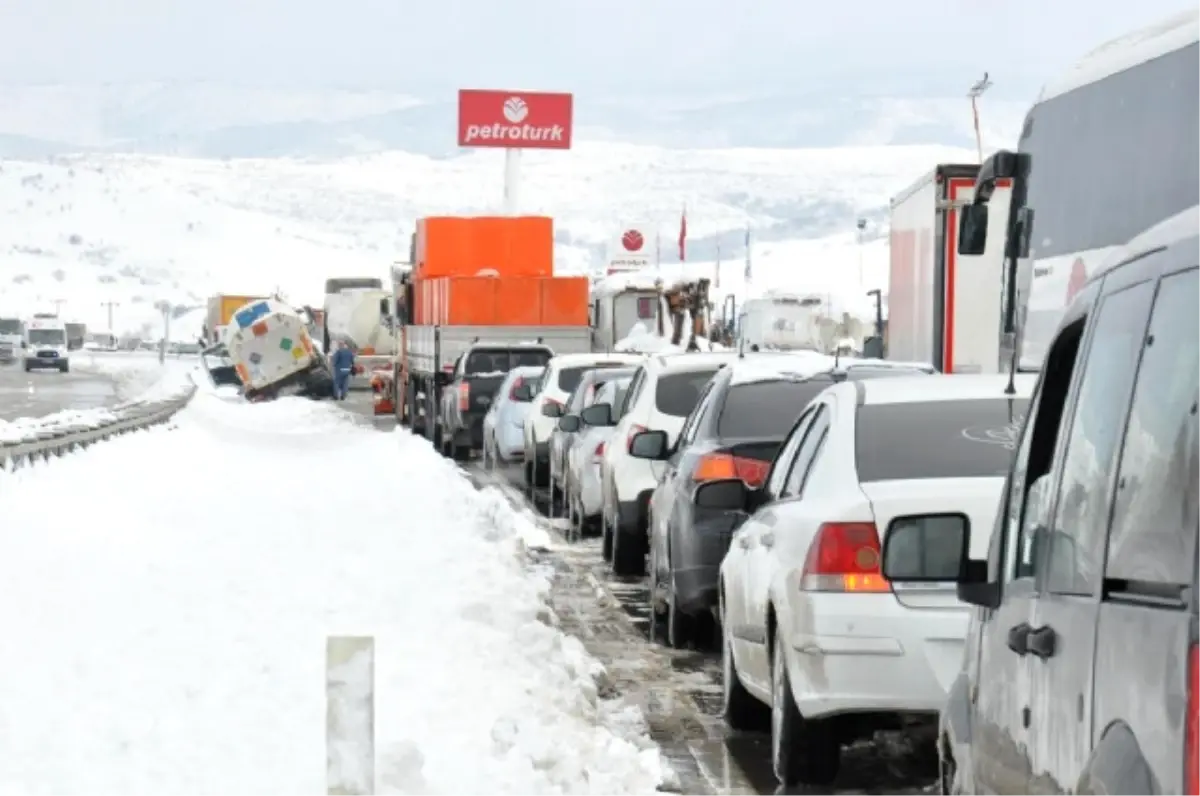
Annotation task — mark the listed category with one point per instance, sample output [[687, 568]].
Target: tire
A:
[[628, 554], [655, 631], [65, 367], [738, 706], [802, 753], [606, 536], [681, 627]]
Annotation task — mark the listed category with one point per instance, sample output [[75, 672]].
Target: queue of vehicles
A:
[[997, 547]]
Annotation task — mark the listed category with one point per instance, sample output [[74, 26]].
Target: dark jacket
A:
[[343, 360]]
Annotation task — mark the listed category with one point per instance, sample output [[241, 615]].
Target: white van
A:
[[45, 345]]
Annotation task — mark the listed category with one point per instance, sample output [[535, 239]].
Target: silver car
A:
[[504, 423], [582, 487]]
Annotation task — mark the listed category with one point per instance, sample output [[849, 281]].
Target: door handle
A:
[[767, 538], [1042, 642], [1018, 638]]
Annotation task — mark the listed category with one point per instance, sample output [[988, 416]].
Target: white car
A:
[[662, 394], [897, 470], [504, 423], [560, 379], [584, 493]]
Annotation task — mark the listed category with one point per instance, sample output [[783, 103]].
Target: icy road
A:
[[45, 391], [169, 595]]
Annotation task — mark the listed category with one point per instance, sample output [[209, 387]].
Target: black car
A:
[[735, 430]]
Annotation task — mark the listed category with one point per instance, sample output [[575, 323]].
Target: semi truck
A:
[[483, 286], [12, 334], [944, 307], [219, 313]]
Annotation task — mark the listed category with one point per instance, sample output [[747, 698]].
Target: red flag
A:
[[683, 236]]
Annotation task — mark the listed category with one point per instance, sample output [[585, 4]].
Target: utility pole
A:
[[58, 306], [111, 305], [165, 308], [975, 92], [862, 226]]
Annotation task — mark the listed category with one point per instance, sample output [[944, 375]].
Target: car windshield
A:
[[47, 337], [937, 439], [676, 394], [765, 408], [499, 361], [569, 378]]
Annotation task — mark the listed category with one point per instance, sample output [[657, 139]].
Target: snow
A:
[[139, 229], [169, 620], [641, 340], [772, 367]]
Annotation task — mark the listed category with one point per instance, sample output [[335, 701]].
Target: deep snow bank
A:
[[171, 592]]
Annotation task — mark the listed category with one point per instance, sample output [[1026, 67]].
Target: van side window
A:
[[1077, 534], [1153, 538]]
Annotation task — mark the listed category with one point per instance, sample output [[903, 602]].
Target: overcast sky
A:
[[618, 46]]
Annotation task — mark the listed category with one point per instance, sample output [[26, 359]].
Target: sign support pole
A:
[[512, 180]]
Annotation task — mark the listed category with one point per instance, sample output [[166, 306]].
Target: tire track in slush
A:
[[679, 691]]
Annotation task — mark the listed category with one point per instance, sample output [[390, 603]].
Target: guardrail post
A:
[[350, 715]]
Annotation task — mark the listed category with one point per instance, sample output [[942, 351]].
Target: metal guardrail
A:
[[45, 442]]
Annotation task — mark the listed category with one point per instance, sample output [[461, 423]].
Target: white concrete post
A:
[[350, 715]]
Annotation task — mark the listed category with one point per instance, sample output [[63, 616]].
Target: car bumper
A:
[[510, 442], [45, 362], [698, 550], [867, 652]]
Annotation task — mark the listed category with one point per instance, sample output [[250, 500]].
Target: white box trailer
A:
[[945, 308]]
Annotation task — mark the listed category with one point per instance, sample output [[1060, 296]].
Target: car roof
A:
[[684, 362], [574, 360], [773, 366], [942, 387]]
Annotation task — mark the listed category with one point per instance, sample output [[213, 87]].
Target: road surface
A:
[[45, 391]]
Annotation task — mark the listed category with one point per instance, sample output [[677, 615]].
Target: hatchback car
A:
[[504, 423], [565, 435]]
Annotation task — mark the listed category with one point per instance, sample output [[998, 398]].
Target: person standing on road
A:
[[343, 369]]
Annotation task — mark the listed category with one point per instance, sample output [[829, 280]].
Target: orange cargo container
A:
[[531, 251], [490, 243], [565, 301], [469, 300], [444, 247], [518, 302]]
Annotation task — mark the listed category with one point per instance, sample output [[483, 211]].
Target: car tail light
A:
[[634, 430], [599, 453], [719, 466], [844, 556], [519, 381], [1191, 765], [464, 396]]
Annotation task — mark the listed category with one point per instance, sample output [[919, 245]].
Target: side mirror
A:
[[569, 423], [523, 392], [597, 415], [729, 494], [652, 445], [928, 548], [972, 229], [552, 409]]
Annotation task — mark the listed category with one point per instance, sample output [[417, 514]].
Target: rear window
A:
[[498, 361], [938, 439], [765, 408], [677, 393], [569, 378]]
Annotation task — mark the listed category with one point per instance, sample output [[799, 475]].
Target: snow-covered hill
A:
[[135, 229], [216, 120]]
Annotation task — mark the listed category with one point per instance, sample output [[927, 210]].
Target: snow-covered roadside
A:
[[170, 627]]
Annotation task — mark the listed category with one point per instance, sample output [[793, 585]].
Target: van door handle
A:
[[1018, 639], [1042, 642]]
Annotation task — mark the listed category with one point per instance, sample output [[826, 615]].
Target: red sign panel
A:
[[514, 119]]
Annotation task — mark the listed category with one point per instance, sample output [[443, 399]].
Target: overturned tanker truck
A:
[[268, 350]]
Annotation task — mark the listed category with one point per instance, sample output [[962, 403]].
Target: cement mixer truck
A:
[[359, 312]]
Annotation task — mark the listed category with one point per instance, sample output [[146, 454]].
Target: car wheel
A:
[[606, 536], [652, 613], [628, 559], [680, 626], [800, 753], [740, 709]]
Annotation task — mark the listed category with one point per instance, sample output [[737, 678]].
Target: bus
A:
[[1115, 148]]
